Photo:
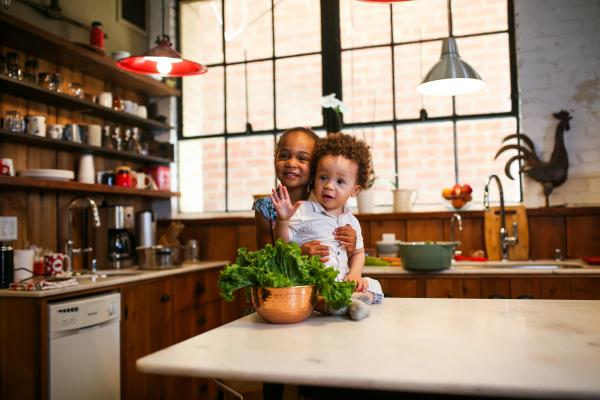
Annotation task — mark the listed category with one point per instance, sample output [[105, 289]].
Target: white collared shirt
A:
[[312, 222]]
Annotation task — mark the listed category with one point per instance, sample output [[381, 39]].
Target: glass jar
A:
[[31, 71], [13, 69], [191, 251], [13, 122]]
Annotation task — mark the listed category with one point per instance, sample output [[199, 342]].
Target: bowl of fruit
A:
[[458, 196]]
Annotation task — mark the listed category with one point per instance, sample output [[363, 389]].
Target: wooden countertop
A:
[[129, 276], [506, 348]]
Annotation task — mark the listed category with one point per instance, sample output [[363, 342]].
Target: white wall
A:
[[558, 54]]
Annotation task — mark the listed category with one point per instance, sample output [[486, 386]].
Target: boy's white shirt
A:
[[312, 222]]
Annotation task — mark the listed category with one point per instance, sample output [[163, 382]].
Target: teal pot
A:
[[426, 256]]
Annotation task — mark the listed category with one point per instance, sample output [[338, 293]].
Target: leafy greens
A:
[[283, 265]]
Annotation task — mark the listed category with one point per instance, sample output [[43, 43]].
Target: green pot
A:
[[426, 256]]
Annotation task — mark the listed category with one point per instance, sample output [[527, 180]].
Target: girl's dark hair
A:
[[309, 132], [339, 144]]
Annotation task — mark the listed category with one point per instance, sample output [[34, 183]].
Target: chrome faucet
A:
[[455, 219], [505, 240], [69, 250]]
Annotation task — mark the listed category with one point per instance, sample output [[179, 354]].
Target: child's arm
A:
[[264, 232], [285, 210], [356, 262]]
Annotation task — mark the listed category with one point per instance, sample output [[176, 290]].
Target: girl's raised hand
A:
[[282, 203]]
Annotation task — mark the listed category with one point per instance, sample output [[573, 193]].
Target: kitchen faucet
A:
[[505, 240], [69, 250], [456, 218]]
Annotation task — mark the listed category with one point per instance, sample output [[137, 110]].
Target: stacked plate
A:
[[54, 174]]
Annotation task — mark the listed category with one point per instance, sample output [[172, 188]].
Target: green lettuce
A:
[[283, 265]]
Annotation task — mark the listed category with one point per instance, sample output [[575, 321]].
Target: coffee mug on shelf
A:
[[94, 135], [141, 180], [123, 176], [7, 167], [72, 133], [142, 111], [36, 125], [404, 199], [104, 99], [55, 263], [55, 131]]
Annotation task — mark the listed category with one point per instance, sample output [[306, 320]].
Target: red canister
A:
[[97, 35], [123, 177]]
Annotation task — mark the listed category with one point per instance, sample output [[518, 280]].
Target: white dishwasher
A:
[[84, 348]]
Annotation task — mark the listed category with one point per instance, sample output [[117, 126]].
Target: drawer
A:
[[196, 288]]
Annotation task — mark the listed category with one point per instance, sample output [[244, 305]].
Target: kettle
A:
[[145, 225]]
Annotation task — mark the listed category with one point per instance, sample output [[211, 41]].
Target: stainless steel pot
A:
[[158, 257]]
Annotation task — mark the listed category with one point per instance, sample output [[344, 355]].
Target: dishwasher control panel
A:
[[83, 312]]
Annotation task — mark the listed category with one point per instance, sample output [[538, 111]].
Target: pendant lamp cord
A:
[[163, 17], [450, 18]]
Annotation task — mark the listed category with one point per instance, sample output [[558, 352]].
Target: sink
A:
[[531, 265]]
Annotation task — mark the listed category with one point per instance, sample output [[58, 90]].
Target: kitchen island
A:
[[506, 348]]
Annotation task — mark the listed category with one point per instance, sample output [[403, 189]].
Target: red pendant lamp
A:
[[162, 60]]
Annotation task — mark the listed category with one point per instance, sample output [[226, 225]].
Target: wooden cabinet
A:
[[492, 287], [161, 313]]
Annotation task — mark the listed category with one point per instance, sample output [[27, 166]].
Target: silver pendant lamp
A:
[[451, 76]]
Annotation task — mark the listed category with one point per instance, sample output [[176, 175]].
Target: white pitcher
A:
[[404, 199]]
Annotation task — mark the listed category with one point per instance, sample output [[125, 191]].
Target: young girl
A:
[[342, 168], [293, 158]]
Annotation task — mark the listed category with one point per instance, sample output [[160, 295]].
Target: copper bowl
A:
[[284, 305]]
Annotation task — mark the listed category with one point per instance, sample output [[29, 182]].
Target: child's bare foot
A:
[[359, 310], [365, 297]]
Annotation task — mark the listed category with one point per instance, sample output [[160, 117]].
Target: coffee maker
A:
[[115, 243]]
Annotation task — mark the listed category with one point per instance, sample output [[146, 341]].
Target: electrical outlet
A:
[[8, 228]]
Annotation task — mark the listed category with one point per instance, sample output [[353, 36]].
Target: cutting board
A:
[[492, 224]]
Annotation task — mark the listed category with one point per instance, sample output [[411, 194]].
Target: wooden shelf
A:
[[39, 94], [18, 34], [73, 147], [56, 185]]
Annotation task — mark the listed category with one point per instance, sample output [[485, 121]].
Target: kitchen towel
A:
[[30, 286]]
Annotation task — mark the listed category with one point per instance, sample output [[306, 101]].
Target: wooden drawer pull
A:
[[164, 298], [200, 288], [201, 320]]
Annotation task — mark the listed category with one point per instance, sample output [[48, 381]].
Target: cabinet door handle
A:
[[201, 320], [200, 288], [164, 298], [496, 296]]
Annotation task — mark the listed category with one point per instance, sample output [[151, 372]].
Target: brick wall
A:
[[559, 68]]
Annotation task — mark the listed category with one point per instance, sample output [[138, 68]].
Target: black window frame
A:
[[331, 67]]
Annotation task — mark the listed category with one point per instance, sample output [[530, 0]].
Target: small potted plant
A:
[[282, 283]]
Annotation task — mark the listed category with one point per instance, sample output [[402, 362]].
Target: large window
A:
[[265, 75]]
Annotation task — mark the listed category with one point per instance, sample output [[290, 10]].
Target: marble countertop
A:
[[115, 278], [512, 348]]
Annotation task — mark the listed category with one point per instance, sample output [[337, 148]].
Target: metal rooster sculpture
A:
[[551, 173]]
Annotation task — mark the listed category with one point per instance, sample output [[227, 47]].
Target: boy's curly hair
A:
[[339, 144]]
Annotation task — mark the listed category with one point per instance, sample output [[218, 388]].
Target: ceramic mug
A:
[[404, 199], [104, 99], [7, 166], [142, 111], [55, 131], [72, 133], [141, 180], [55, 263], [94, 135], [36, 125]]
